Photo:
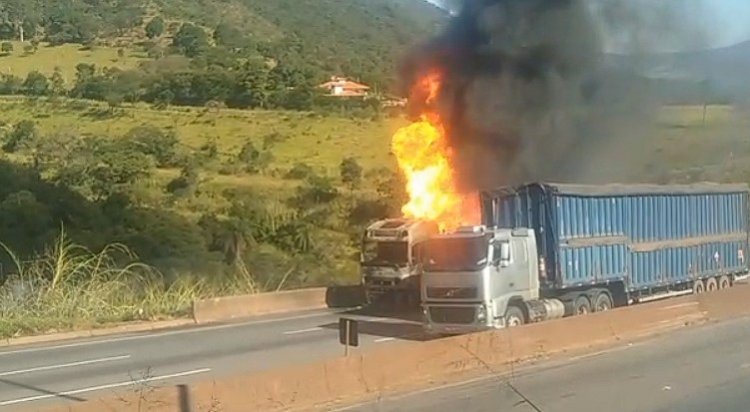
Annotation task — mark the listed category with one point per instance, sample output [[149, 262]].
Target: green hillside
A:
[[358, 38]]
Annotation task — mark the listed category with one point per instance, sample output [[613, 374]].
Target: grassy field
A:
[[320, 141], [66, 57]]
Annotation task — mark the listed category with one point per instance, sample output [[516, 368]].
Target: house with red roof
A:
[[342, 87]]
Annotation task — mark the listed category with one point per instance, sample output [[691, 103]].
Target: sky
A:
[[728, 21], [735, 16]]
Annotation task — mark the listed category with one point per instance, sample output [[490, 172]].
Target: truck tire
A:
[[724, 282], [582, 305], [698, 287], [603, 302], [514, 316], [711, 285]]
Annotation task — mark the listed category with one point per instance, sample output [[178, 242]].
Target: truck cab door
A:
[[511, 263]]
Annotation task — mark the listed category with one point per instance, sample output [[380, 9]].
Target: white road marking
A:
[[681, 305], [384, 340], [64, 365], [162, 334], [101, 387], [296, 332]]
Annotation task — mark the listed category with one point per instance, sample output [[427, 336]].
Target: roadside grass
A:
[[68, 287], [66, 57]]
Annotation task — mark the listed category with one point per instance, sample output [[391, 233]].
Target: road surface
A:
[[76, 370], [693, 370]]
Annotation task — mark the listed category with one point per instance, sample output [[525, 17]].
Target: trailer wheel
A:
[[724, 282], [581, 306], [698, 287], [602, 303], [513, 316], [711, 285]]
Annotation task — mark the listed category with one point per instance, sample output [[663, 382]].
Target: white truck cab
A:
[[478, 278]]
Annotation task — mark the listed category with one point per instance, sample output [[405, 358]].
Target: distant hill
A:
[[720, 74], [359, 38]]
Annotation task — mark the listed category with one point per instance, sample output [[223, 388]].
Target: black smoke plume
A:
[[527, 94]]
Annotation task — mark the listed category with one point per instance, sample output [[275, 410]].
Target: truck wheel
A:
[[513, 316], [698, 287], [602, 303], [711, 285], [581, 306], [724, 282]]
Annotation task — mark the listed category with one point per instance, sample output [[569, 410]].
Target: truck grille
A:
[[455, 315], [451, 293]]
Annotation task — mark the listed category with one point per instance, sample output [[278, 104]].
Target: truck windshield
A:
[[385, 253], [464, 254]]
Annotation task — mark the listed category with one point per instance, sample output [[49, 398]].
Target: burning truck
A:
[[392, 248], [389, 260]]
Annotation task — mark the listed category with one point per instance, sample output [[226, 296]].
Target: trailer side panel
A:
[[645, 236]]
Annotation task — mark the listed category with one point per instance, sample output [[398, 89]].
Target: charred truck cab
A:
[[391, 252]]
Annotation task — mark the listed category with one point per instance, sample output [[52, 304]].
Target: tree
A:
[[351, 172], [190, 40], [229, 36], [57, 83], [10, 84], [316, 191], [25, 220], [84, 72], [114, 101], [155, 27], [6, 47], [155, 142], [186, 183], [126, 17], [250, 87], [103, 167], [36, 84], [163, 99], [22, 136], [253, 159]]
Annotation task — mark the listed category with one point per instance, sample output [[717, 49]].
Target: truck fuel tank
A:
[[545, 309]]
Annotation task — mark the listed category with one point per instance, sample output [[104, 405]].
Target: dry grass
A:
[[69, 287]]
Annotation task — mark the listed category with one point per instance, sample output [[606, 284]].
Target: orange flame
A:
[[424, 156]]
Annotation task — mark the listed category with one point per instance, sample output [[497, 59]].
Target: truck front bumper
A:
[[456, 319]]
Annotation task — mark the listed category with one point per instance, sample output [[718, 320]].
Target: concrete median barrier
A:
[[410, 365], [238, 307]]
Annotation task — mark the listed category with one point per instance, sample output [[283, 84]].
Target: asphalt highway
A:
[[75, 370], [692, 370]]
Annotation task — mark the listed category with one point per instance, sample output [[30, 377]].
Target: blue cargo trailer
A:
[[547, 250], [645, 237]]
